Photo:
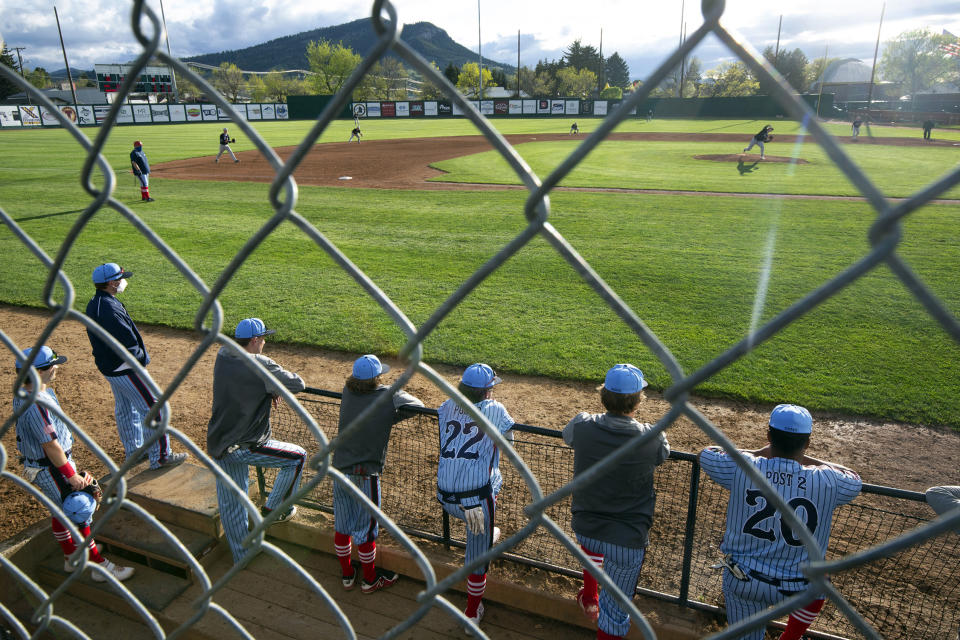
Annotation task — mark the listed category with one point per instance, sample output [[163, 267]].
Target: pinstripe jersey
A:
[[469, 459], [756, 536], [39, 425]]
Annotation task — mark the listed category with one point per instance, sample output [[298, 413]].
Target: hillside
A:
[[289, 52]]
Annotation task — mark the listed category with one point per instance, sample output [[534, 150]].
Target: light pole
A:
[[166, 35]]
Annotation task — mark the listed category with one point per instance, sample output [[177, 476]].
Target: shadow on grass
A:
[[49, 215], [745, 168]]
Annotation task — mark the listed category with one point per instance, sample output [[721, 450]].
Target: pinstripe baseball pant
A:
[[288, 458], [476, 544], [623, 565], [747, 597], [133, 400], [350, 517]]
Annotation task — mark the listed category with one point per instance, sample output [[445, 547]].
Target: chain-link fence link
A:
[[543, 504]]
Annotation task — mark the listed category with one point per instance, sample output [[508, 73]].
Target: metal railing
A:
[[540, 502]]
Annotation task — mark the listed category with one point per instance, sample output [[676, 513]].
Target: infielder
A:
[[140, 168], [225, 141], [468, 473], [355, 134], [857, 122], [762, 136], [133, 397], [574, 129], [763, 557], [238, 434], [361, 457], [45, 445], [612, 515]]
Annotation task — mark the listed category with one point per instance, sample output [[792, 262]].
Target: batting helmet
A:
[[79, 506]]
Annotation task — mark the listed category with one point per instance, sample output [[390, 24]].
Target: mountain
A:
[[289, 52]]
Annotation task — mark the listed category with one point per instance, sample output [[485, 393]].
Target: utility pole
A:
[[166, 34], [682, 14], [776, 53], [73, 90], [602, 73], [518, 63], [19, 59], [479, 55], [823, 75], [875, 50]]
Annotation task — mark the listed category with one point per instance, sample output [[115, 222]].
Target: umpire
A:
[[132, 395]]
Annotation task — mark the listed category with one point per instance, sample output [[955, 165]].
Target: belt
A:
[[44, 461], [756, 575], [455, 497]]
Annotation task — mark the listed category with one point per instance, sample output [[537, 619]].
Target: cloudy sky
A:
[[643, 33]]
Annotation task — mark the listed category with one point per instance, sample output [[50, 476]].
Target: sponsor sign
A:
[[49, 117], [221, 114], [516, 107], [253, 112], [100, 112], [268, 111], [416, 109], [486, 107], [600, 108], [557, 107], [359, 110], [160, 113], [125, 115], [543, 106], [388, 109], [178, 113], [529, 107], [444, 109], [241, 110], [403, 109], [572, 107], [85, 114], [281, 111], [586, 107], [209, 111], [430, 108], [70, 113], [30, 115], [373, 109], [194, 112], [9, 116], [141, 112], [501, 107]]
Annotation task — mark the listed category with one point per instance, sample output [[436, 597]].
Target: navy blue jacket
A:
[[138, 161], [110, 314]]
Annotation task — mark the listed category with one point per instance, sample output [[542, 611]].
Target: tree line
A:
[[915, 60]]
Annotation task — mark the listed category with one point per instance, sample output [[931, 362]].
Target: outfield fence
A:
[[537, 500], [913, 595]]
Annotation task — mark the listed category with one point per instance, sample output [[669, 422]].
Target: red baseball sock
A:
[[93, 553], [144, 193], [476, 585], [603, 635], [801, 619], [368, 554], [589, 582], [342, 546], [63, 537]]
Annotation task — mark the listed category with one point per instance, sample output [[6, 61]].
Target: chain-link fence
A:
[[542, 509]]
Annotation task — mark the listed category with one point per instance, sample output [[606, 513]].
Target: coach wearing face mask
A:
[[131, 391]]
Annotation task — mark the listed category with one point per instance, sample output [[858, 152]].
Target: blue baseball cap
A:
[[624, 378], [109, 272], [252, 328], [79, 506], [46, 358], [791, 418], [480, 376], [368, 367]]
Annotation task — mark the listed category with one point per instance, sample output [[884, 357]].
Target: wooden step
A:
[[185, 495]]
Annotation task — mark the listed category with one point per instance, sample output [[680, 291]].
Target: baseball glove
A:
[[233, 139], [769, 138], [93, 489]]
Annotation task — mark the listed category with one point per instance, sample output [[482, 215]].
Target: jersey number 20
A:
[[454, 429], [751, 526]]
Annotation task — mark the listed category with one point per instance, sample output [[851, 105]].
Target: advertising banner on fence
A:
[[430, 108], [268, 111], [388, 109], [9, 116], [444, 109], [486, 107], [586, 107], [221, 114], [70, 112], [30, 116], [600, 108], [209, 112], [543, 106], [141, 113], [416, 109], [160, 112], [281, 111], [529, 107], [100, 112], [373, 109], [516, 107], [572, 107], [178, 113], [49, 117], [403, 109], [253, 112], [194, 112], [125, 115], [85, 114], [501, 107], [557, 107]]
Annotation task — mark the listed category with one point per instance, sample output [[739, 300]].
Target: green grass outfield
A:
[[688, 265]]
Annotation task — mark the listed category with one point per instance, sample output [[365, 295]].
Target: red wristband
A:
[[67, 470]]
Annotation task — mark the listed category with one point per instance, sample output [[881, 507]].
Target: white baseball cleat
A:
[[475, 619], [118, 572]]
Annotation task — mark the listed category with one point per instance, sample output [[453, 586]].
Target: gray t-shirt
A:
[[365, 450], [617, 507], [242, 401]]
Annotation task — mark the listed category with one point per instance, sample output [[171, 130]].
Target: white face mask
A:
[[122, 285]]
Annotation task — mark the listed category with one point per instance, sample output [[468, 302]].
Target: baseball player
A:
[[355, 134], [574, 129], [857, 122], [943, 499], [225, 141], [763, 557], [45, 445], [468, 474], [360, 456], [762, 136], [927, 128], [238, 434], [612, 515], [140, 168], [133, 397]]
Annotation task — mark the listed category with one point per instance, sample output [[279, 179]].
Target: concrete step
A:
[[185, 496]]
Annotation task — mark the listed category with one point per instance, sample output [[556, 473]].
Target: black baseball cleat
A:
[[384, 579], [283, 517], [149, 200]]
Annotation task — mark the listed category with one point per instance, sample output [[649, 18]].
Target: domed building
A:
[[848, 80]]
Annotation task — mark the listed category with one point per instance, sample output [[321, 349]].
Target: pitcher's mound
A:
[[747, 158]]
